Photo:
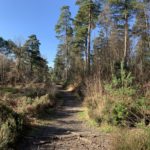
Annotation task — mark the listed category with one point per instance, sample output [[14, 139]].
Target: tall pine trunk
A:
[[67, 53], [89, 42], [86, 56], [126, 41]]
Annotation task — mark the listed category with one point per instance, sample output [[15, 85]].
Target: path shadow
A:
[[31, 141], [43, 132]]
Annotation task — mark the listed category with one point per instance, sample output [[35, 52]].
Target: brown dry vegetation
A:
[[123, 107], [18, 105]]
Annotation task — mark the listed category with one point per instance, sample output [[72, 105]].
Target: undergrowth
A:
[[18, 105], [119, 105], [11, 125]]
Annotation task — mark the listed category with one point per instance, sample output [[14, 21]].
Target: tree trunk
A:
[[89, 43], [67, 49], [67, 62], [126, 41], [86, 57]]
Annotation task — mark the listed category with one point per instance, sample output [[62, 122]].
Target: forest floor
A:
[[63, 130]]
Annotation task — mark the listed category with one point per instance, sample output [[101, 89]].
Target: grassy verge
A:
[[106, 128], [120, 108], [21, 107], [83, 115], [122, 138], [132, 139]]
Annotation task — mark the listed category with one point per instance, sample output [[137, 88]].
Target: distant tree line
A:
[[101, 36], [22, 63]]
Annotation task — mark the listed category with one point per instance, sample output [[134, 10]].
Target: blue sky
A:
[[21, 18]]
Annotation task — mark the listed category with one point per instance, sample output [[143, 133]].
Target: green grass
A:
[[8, 90], [83, 115], [106, 128]]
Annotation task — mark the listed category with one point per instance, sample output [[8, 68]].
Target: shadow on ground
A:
[[61, 121]]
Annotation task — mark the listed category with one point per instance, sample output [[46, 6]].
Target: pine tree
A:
[[123, 11], [141, 30], [65, 34], [32, 47], [85, 22], [59, 65]]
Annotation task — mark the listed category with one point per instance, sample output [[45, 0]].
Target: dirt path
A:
[[66, 131]]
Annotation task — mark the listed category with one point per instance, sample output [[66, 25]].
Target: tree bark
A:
[[89, 42], [126, 40], [67, 49]]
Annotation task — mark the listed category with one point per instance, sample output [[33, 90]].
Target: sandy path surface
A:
[[66, 131]]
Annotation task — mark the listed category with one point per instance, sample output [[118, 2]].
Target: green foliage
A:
[[143, 103], [119, 105], [10, 126], [8, 90], [119, 114], [122, 7], [35, 61], [123, 106], [124, 79], [122, 83]]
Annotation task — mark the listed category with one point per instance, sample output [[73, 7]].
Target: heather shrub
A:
[[10, 126]]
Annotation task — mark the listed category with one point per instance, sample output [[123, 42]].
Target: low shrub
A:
[[116, 103], [39, 105], [119, 114], [10, 126]]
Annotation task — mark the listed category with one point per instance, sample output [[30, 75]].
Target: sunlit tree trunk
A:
[[125, 59], [89, 42]]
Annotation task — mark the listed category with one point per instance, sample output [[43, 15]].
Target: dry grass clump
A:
[[135, 139], [39, 105], [29, 99], [94, 98]]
